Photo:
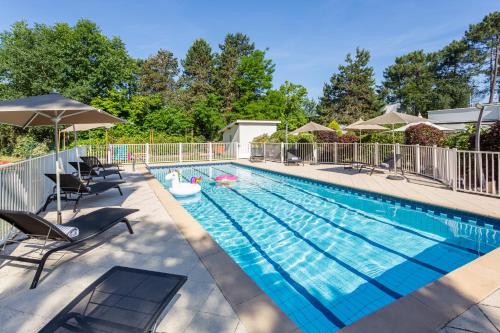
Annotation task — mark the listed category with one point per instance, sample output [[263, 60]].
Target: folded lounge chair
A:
[[292, 158], [388, 164], [256, 154], [94, 162], [72, 185], [35, 227], [88, 172], [122, 300]]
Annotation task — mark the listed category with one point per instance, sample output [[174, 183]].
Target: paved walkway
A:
[[156, 245], [481, 318]]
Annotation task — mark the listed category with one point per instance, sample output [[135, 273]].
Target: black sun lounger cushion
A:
[[122, 300]]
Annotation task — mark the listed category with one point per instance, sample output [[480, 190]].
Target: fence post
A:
[[376, 154], [454, 168], [236, 145], [210, 152], [282, 152], [147, 153], [264, 150], [355, 152], [434, 161], [417, 159], [180, 152], [335, 152], [110, 151]]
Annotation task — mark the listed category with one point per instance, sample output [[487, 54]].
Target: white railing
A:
[[23, 185], [468, 171], [164, 152]]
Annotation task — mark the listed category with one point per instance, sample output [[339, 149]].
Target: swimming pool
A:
[[329, 255]]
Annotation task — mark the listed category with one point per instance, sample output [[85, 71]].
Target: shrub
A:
[[384, 137], [261, 138], [334, 125], [462, 140], [490, 140], [348, 138], [279, 136], [424, 135], [325, 137], [27, 146]]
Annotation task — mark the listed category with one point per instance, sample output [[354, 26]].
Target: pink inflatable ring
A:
[[226, 179]]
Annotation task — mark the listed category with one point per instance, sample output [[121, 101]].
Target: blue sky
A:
[[307, 40]]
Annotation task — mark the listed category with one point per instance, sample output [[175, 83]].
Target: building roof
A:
[[464, 115], [242, 121]]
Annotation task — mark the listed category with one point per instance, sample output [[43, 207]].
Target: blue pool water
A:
[[330, 255]]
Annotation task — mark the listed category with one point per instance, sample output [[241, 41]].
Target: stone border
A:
[[256, 310], [431, 307]]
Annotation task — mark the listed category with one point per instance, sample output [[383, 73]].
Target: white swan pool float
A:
[[179, 189]]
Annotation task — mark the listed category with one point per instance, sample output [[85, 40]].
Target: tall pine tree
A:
[[350, 93], [198, 71], [158, 75], [235, 47]]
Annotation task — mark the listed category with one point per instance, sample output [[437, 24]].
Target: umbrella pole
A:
[[76, 151], [392, 133], [58, 172]]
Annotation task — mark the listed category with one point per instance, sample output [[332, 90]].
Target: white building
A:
[[244, 131], [457, 119]]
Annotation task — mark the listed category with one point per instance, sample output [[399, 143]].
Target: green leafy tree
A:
[[198, 70], [158, 75], [410, 81], [79, 62], [453, 74], [483, 40], [350, 94], [170, 119], [208, 119], [235, 47], [254, 79]]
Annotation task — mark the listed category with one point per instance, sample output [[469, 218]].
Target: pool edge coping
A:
[[256, 310]]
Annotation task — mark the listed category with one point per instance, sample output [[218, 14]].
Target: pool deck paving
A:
[[219, 296], [155, 245]]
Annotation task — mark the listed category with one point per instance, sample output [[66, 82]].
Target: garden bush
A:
[[490, 140], [424, 135], [27, 146], [326, 137], [348, 138]]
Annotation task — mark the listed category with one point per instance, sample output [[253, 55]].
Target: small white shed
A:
[[244, 131]]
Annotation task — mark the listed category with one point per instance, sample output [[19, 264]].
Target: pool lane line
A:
[[366, 215], [353, 233], [297, 286], [353, 270]]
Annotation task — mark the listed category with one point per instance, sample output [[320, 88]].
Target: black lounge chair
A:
[[122, 300], [94, 162], [292, 158], [89, 172], [35, 227], [72, 185]]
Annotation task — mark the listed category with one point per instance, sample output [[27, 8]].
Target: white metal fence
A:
[[164, 152], [468, 171], [23, 185]]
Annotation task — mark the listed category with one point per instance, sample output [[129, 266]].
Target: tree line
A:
[[193, 97]]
